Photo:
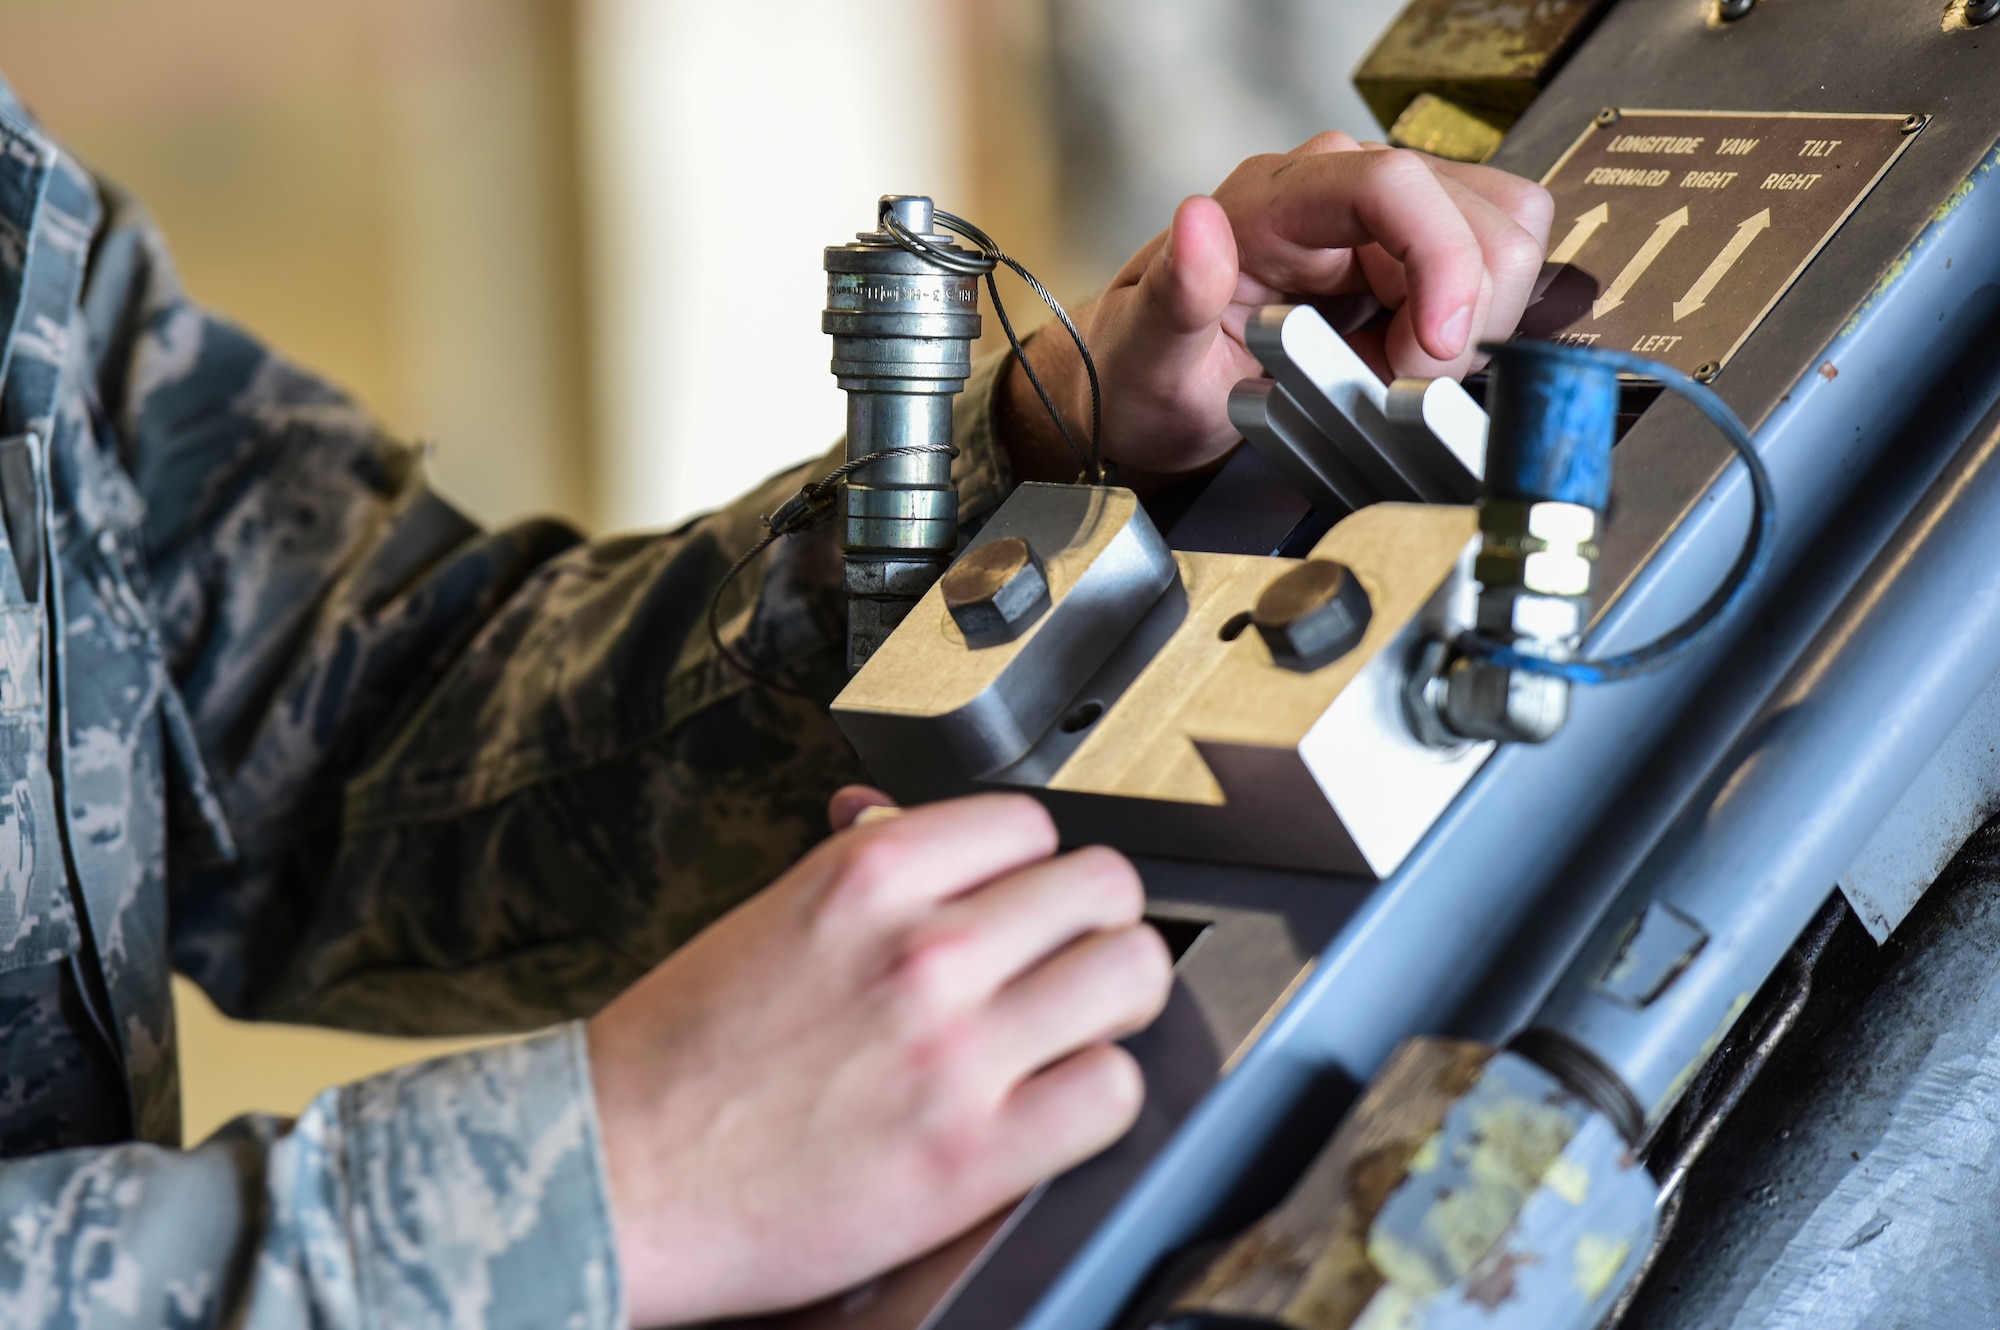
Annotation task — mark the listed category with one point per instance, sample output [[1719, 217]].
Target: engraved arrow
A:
[[1704, 286], [1580, 234], [1663, 233]]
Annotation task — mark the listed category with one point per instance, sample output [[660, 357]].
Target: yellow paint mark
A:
[[1569, 1180], [1516, 1138], [1401, 1265], [1466, 1224], [1952, 203], [1889, 279], [1598, 1260], [1427, 1155], [1507, 1150]]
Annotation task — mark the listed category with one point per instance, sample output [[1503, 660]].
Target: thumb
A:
[[849, 802], [1188, 285], [1158, 339]]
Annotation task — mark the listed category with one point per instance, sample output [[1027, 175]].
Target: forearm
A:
[[466, 1191]]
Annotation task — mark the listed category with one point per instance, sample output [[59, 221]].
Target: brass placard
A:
[[1677, 231]]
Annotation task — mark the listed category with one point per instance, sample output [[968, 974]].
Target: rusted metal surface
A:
[[1306, 1262], [1467, 1189], [1495, 54]]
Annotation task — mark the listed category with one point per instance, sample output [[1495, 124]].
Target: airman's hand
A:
[[1452, 250], [903, 1033]]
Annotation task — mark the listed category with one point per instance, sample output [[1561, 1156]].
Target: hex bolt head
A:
[[1313, 615], [996, 590]]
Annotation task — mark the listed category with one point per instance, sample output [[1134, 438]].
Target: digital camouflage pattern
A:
[[342, 757]]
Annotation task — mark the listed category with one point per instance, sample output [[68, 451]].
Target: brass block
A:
[[1473, 52], [1444, 128]]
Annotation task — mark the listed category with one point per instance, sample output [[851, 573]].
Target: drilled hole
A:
[[1180, 935], [1233, 629], [1082, 717]]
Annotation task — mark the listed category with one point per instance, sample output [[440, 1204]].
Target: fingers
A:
[[1097, 989], [1068, 1112], [894, 868], [1511, 257], [1526, 203], [973, 946], [1453, 248], [1299, 223]]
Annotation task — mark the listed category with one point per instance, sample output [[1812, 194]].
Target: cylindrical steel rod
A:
[[1751, 858]]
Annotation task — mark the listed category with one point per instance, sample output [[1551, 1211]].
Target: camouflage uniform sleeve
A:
[[471, 780], [465, 1191]]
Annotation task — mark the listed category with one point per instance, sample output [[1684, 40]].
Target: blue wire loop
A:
[[1749, 566]]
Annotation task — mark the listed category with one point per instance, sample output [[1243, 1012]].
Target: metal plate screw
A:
[[1913, 123], [1731, 10], [1607, 117], [1706, 371], [1981, 11]]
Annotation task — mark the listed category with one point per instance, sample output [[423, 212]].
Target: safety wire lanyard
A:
[[814, 503], [985, 264]]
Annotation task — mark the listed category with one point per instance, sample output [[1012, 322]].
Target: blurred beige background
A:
[[575, 244]]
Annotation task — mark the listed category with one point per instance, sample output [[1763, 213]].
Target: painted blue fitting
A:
[[1554, 413]]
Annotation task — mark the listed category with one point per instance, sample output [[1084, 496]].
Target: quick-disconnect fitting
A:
[[903, 327]]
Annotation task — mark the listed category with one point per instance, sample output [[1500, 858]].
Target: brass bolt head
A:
[[996, 590], [1312, 615]]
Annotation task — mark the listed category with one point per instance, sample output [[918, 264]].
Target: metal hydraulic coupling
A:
[[903, 327], [1554, 412], [1548, 480]]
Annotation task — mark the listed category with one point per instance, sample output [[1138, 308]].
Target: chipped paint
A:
[[1493, 1150], [1515, 1138], [1901, 266], [1496, 1283], [1533, 1199], [1597, 1260]]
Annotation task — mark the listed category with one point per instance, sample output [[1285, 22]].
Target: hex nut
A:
[[1483, 700], [1312, 615], [1544, 548], [1570, 525], [996, 590], [1539, 618], [1424, 687]]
